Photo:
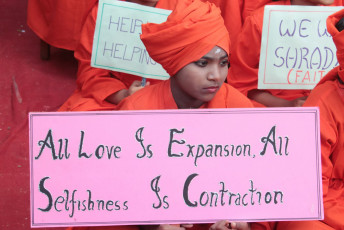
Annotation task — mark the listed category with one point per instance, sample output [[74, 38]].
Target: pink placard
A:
[[174, 166]]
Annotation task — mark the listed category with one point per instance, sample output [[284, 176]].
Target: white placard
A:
[[117, 45], [296, 49]]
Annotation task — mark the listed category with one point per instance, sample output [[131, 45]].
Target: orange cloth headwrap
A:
[[190, 32], [338, 39]]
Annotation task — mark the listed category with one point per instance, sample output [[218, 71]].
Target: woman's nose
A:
[[214, 73]]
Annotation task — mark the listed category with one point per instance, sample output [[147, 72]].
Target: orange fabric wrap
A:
[[58, 22], [338, 39], [195, 27]]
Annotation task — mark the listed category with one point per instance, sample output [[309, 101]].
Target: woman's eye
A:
[[225, 63], [201, 63]]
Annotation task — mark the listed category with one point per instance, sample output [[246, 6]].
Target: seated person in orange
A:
[[100, 89], [198, 64], [328, 95], [245, 61]]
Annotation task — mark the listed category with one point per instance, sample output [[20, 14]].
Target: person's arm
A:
[[270, 100], [117, 97], [94, 82], [329, 134]]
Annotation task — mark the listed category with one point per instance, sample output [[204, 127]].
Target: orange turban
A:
[[190, 32]]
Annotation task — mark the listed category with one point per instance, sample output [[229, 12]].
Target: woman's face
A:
[[199, 81], [145, 2]]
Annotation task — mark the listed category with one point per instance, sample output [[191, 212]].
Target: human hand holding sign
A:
[[136, 86], [120, 95], [226, 224]]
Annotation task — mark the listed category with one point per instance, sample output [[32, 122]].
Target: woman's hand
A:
[[117, 97], [298, 102], [136, 86], [225, 225]]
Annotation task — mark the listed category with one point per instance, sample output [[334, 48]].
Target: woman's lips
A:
[[211, 89]]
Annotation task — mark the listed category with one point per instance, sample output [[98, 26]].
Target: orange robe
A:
[[231, 13], [243, 73], [249, 6], [159, 96], [328, 95], [234, 13], [58, 22], [94, 85]]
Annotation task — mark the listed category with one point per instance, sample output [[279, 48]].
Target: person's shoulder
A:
[[324, 94], [328, 97], [255, 19], [236, 99], [260, 9], [140, 100], [91, 13], [258, 14], [233, 91]]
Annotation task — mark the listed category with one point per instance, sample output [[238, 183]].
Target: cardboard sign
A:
[[174, 166], [117, 45], [296, 49]]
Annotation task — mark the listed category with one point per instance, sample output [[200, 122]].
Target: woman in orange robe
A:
[[198, 65], [100, 89], [245, 61], [189, 50], [328, 95]]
